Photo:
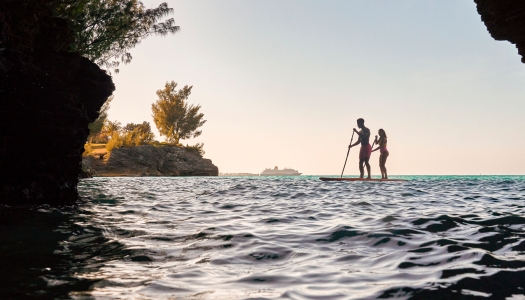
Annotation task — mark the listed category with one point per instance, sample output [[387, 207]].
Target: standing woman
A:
[[384, 152]]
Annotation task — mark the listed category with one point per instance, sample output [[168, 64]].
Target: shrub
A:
[[197, 148], [115, 141], [87, 149], [137, 134], [129, 135]]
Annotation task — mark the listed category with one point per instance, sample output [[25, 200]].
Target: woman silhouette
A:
[[384, 152]]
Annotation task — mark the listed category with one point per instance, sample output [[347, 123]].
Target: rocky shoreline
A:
[[48, 97], [149, 160]]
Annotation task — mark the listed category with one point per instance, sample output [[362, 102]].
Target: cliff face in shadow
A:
[[152, 161], [48, 98], [505, 21]]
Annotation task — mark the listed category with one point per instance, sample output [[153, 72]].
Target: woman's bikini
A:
[[382, 145]]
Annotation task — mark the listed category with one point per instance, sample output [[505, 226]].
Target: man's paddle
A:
[[351, 140]]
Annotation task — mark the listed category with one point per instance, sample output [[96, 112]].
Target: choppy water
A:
[[270, 238]]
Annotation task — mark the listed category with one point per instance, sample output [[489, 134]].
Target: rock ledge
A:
[[505, 20], [152, 161]]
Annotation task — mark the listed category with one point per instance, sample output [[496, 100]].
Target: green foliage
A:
[[197, 148], [87, 149], [129, 135], [138, 134], [175, 118], [106, 132], [115, 141], [95, 128], [111, 127], [105, 30]]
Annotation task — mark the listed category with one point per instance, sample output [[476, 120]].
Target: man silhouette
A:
[[366, 149]]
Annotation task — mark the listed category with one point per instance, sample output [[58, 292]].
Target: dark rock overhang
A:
[[505, 21], [48, 96]]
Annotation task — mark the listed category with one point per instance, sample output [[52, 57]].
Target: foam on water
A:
[[268, 238]]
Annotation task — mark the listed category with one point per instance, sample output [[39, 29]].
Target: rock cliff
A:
[[48, 97], [505, 20], [152, 161]]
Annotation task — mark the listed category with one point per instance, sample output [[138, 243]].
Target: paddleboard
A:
[[358, 179]]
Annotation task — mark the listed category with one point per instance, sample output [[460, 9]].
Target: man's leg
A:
[[366, 159], [361, 168]]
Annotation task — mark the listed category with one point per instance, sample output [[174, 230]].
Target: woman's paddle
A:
[[351, 140]]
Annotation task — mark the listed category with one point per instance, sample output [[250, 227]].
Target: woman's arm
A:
[[379, 143]]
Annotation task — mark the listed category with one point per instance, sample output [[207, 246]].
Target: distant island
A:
[[238, 174], [267, 172]]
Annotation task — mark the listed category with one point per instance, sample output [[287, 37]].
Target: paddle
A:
[[374, 142], [351, 140]]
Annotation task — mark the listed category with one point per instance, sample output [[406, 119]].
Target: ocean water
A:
[[433, 237]]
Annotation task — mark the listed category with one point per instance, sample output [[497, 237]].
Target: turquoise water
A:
[[406, 177], [412, 177], [433, 237]]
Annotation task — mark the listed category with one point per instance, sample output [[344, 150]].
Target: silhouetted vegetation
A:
[[95, 128], [105, 30], [197, 148]]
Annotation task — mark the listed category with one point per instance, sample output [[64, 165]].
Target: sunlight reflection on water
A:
[[297, 238]]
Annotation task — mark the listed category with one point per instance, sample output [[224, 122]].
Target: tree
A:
[[138, 134], [175, 118], [95, 128], [111, 132], [130, 135], [105, 30], [111, 127]]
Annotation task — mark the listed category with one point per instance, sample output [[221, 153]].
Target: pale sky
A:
[[282, 82]]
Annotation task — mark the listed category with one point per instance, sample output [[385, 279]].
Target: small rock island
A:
[[113, 150], [148, 160]]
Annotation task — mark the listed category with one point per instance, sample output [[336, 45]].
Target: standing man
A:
[[366, 149]]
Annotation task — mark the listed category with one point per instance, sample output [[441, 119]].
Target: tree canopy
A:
[[111, 127], [175, 118], [130, 135], [138, 134], [105, 30]]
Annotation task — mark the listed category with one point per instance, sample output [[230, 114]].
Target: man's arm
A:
[[359, 133], [356, 143]]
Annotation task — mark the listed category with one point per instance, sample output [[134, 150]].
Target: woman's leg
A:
[[384, 156], [381, 166]]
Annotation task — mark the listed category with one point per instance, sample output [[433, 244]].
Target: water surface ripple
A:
[[291, 238]]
